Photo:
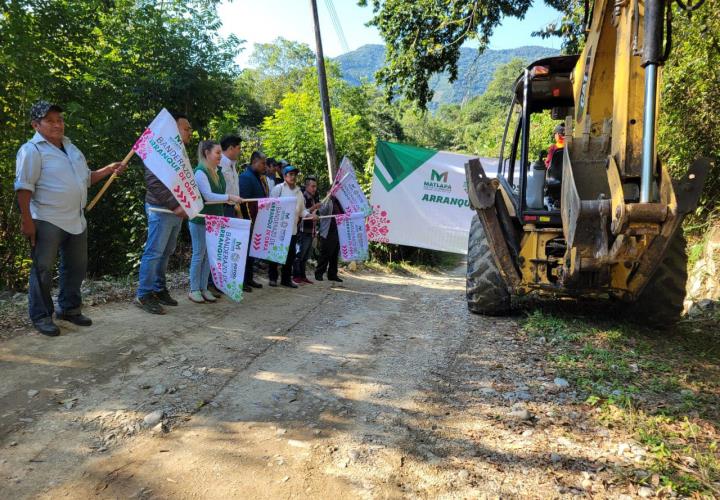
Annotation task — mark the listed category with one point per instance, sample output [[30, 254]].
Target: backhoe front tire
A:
[[487, 292], [661, 302]]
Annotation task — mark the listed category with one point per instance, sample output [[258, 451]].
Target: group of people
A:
[[52, 181]]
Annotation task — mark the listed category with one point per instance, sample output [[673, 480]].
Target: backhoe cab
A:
[[602, 217]]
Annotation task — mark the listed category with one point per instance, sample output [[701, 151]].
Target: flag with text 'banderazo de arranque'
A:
[[163, 152], [348, 192], [227, 247], [273, 229], [353, 237]]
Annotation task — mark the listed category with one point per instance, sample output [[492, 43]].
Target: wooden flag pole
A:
[[228, 203], [166, 211], [107, 183]]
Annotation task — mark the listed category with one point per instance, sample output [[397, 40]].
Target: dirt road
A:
[[381, 387]]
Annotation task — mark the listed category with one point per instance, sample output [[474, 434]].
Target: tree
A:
[[570, 28], [689, 124], [281, 57], [278, 68], [482, 120], [113, 66], [295, 132], [423, 38]]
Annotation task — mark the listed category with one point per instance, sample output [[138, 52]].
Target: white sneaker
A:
[[196, 297], [209, 297]]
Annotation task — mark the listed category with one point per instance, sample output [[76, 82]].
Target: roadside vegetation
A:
[[663, 390]]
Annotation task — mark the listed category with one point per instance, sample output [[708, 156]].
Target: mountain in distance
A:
[[475, 71]]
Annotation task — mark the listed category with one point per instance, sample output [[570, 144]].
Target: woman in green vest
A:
[[211, 184]]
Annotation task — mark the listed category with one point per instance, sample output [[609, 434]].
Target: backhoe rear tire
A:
[[486, 290], [661, 302]]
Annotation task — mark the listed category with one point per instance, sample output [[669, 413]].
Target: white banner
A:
[[353, 238], [419, 198], [273, 229], [227, 247], [347, 190], [163, 152]]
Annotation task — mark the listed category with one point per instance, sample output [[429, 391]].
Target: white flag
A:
[[163, 152], [273, 228], [353, 237], [348, 192], [227, 247]]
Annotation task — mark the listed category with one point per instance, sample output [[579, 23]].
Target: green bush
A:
[[112, 68]]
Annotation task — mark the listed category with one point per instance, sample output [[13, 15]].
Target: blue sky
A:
[[263, 21]]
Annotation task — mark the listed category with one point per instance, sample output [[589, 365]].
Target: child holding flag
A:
[[212, 187]]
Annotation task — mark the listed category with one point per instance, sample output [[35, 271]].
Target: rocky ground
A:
[[380, 387]]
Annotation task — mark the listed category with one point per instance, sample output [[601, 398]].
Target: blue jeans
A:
[[199, 263], [49, 239], [163, 230]]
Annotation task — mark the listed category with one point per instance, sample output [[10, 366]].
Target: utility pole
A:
[[324, 98]]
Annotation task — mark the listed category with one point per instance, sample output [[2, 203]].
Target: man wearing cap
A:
[[51, 181], [559, 135], [288, 188]]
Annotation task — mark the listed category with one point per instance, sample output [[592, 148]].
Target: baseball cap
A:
[[289, 169], [40, 109]]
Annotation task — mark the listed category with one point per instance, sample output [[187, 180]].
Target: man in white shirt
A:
[[288, 188], [51, 180], [230, 145]]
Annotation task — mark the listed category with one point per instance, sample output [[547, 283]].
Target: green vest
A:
[[217, 188]]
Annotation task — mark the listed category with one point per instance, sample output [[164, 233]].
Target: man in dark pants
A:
[[329, 241], [306, 231], [288, 187], [252, 186], [162, 235], [51, 180]]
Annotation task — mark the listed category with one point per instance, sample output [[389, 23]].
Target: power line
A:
[[336, 24]]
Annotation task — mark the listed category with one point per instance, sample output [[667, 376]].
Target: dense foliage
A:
[[113, 66], [690, 118]]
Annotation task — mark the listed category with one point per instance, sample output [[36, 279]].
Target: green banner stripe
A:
[[400, 160]]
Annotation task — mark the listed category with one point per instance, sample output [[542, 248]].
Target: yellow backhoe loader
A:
[[602, 217]]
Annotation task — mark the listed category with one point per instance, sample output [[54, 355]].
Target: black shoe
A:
[[214, 290], [255, 284], [273, 283], [47, 327], [149, 303], [336, 279], [247, 289], [289, 284], [163, 297], [318, 277], [77, 319]]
